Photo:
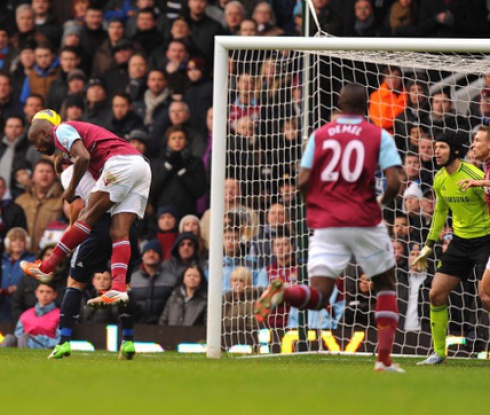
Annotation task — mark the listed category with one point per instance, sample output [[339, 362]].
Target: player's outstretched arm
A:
[[465, 184]]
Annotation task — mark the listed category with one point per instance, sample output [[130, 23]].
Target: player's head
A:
[[40, 136], [481, 144], [449, 147], [352, 99]]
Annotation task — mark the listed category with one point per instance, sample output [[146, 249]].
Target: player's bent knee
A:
[[437, 298]]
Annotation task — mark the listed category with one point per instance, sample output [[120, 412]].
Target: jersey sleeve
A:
[[441, 210], [67, 135], [388, 153], [307, 159]]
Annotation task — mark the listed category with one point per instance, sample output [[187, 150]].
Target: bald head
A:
[[353, 99], [40, 137]]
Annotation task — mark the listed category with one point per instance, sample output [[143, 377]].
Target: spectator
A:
[[203, 29], [188, 303], [411, 207], [282, 265], [365, 24], [260, 247], [45, 19], [401, 227], [190, 223], [246, 102], [412, 290], [179, 115], [415, 113], [25, 295], [155, 103], [117, 78], [264, 16], [441, 18], [7, 52], [42, 74], [178, 175], [137, 71], [235, 255], [43, 202], [184, 253], [173, 59], [426, 155], [199, 94], [37, 327], [233, 204], [17, 245], [139, 140], [124, 119], [21, 67], [104, 56], [69, 60], [480, 113], [34, 103], [75, 94], [147, 34], [181, 30], [442, 117], [92, 34], [234, 14], [386, 103], [403, 18], [166, 230], [26, 29], [101, 282], [9, 104], [97, 108], [248, 27], [150, 287], [11, 214], [361, 301], [238, 322], [411, 165], [140, 5], [13, 150], [73, 108]]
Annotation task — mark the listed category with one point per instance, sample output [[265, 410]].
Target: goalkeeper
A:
[[470, 247]]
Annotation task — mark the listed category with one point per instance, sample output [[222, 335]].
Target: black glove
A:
[[176, 160]]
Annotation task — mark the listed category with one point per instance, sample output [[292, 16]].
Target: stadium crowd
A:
[[143, 70]]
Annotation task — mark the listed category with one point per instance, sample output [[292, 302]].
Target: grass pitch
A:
[[176, 384]]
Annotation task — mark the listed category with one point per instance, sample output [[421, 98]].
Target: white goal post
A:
[[381, 51]]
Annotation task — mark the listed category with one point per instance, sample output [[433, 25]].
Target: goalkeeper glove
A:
[[421, 261]]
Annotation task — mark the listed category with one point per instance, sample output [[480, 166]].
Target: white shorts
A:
[[127, 179], [331, 249]]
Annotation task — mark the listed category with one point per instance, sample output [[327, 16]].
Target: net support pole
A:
[[220, 98]]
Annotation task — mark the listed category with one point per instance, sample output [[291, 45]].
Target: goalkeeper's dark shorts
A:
[[94, 254], [463, 256]]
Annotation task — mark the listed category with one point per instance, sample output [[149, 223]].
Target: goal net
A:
[[270, 94]]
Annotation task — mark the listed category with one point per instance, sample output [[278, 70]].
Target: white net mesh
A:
[[265, 236]]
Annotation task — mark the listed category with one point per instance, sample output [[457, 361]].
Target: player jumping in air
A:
[[123, 179], [337, 181], [470, 245]]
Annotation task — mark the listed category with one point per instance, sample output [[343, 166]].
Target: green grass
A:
[[175, 384]]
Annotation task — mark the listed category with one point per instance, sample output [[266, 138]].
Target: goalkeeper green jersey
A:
[[469, 209]]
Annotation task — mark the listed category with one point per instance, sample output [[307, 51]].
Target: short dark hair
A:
[[44, 161], [123, 95]]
